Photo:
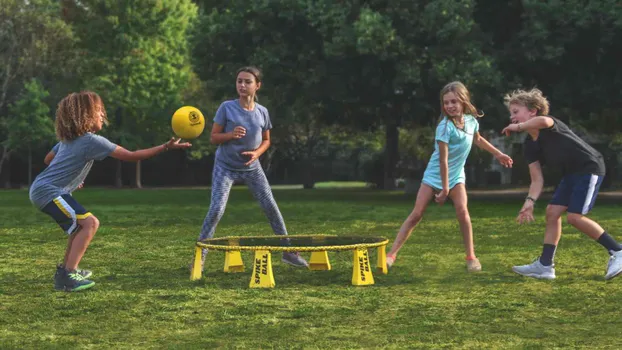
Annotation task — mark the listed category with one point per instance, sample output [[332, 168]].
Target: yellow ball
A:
[[188, 122]]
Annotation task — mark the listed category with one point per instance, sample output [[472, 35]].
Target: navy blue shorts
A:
[[577, 192], [66, 211]]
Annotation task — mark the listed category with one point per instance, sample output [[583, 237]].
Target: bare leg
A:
[[585, 225], [554, 223], [69, 243], [424, 196], [459, 197], [80, 241]]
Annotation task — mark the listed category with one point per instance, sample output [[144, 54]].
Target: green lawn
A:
[[144, 298]]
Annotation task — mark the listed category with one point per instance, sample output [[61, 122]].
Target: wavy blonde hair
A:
[[532, 99], [77, 114]]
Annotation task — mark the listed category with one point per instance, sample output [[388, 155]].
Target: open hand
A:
[[505, 160], [173, 143], [510, 129], [254, 155], [525, 215]]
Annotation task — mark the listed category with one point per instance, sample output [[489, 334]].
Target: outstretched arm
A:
[[535, 123], [142, 154], [482, 143]]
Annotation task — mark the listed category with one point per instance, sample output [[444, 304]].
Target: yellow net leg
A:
[[195, 274], [361, 269], [319, 261], [262, 276], [233, 261], [382, 259]]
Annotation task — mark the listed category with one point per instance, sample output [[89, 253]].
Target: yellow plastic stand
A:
[[319, 261], [361, 269], [262, 276], [195, 274], [233, 261], [382, 259]]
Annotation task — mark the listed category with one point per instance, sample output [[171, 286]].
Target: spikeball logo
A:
[[194, 118]]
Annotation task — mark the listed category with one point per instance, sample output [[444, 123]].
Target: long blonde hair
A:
[[532, 99], [77, 114], [463, 96]]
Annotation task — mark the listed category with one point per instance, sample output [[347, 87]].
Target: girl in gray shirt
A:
[[242, 132]]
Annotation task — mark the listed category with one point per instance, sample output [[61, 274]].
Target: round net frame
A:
[[298, 243]]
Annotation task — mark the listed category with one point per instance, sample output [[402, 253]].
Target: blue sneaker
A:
[[58, 281], [294, 259], [72, 281]]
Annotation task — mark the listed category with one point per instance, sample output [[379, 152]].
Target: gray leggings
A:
[[222, 180]]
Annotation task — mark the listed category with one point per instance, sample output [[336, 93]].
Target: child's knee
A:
[[414, 218], [90, 223], [552, 214], [573, 219], [462, 213]]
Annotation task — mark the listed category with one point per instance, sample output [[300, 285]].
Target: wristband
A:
[[529, 198]]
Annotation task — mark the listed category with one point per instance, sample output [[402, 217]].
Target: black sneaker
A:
[[72, 281], [58, 281]]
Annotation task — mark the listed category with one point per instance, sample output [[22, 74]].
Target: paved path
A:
[[519, 193]]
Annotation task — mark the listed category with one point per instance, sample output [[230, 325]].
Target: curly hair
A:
[[532, 99], [78, 114]]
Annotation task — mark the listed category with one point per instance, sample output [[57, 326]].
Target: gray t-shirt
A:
[[230, 114], [69, 168]]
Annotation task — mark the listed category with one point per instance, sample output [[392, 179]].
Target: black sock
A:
[[548, 252], [609, 243]]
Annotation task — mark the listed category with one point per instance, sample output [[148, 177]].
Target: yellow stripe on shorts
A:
[[83, 216]]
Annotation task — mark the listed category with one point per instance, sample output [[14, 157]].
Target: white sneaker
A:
[[537, 270], [614, 267]]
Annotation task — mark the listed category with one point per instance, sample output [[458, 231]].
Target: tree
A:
[[569, 49], [34, 42], [30, 124], [359, 64], [136, 56]]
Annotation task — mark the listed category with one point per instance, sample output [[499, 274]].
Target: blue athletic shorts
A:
[[577, 192], [66, 211]]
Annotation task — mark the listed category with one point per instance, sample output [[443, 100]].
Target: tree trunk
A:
[[138, 183], [308, 178], [118, 182], [7, 174], [29, 166], [391, 155], [5, 156]]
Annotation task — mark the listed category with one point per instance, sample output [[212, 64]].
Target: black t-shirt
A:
[[561, 148]]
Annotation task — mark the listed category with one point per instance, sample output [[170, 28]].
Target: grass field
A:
[[144, 298]]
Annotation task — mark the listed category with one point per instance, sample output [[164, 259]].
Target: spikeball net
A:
[[318, 245]]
